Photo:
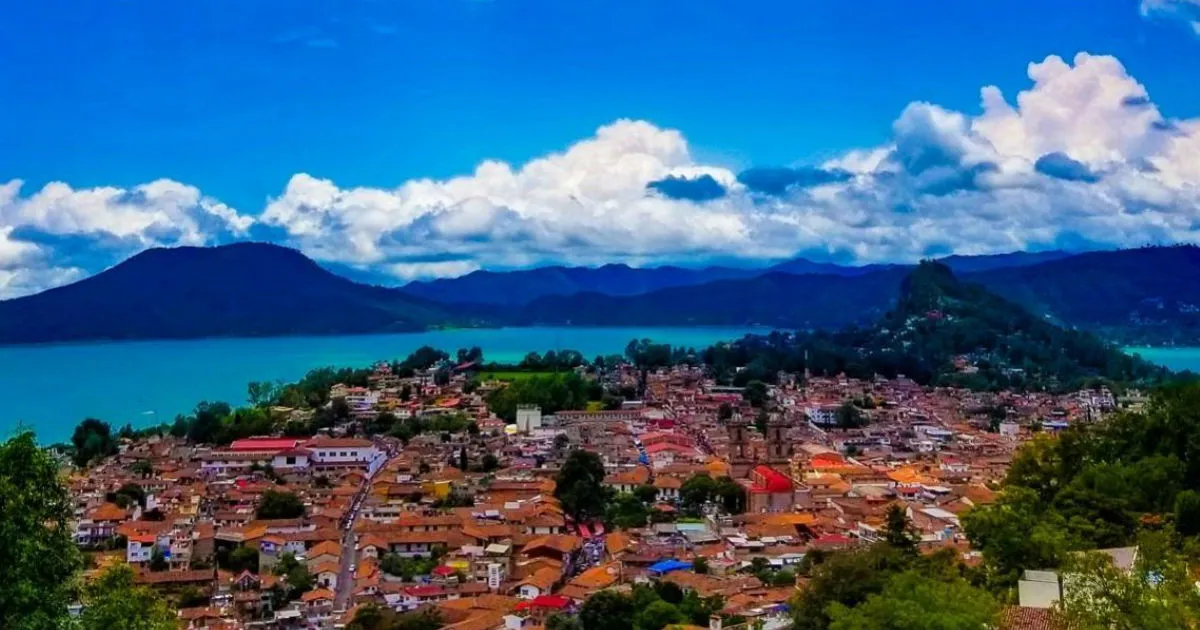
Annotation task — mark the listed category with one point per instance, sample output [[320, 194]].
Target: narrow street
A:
[[345, 581]]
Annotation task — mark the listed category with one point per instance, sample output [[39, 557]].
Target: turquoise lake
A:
[[50, 388]]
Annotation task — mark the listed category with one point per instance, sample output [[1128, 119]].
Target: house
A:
[[629, 480], [539, 583], [100, 524], [668, 488], [326, 575], [318, 603], [139, 548], [770, 491], [555, 547], [341, 453], [414, 597], [542, 606], [324, 552]]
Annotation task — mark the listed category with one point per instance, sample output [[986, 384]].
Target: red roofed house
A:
[[770, 491], [414, 597], [543, 606]]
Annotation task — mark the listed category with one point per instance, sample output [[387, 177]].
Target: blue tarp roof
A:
[[667, 566]]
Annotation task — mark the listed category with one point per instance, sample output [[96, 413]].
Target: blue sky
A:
[[230, 101]]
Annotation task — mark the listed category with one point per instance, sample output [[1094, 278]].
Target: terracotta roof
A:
[[108, 512], [562, 543], [325, 547], [1020, 618], [617, 542], [544, 578], [176, 577], [317, 595], [597, 577]]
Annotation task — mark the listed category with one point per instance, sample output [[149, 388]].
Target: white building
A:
[[325, 452], [529, 417]]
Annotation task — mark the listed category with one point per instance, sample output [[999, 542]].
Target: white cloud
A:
[[1082, 158], [947, 181], [1186, 11], [46, 236]]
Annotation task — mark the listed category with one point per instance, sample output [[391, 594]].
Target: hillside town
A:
[[722, 491]]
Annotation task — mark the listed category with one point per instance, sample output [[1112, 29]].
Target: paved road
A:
[[345, 582]]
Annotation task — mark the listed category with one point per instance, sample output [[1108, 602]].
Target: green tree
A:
[[205, 423], [276, 505], [559, 621], [36, 546], [92, 439], [656, 616], [626, 511], [372, 617], [646, 494], [849, 416], [608, 610], [579, 486], [695, 492], [700, 566], [262, 393], [1016, 533], [898, 532], [239, 559], [1187, 513], [158, 561], [114, 603], [1155, 595], [297, 577], [911, 601], [846, 578], [191, 597], [142, 467], [756, 393]]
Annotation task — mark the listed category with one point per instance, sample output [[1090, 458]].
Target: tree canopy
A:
[[37, 550], [579, 486], [113, 602], [275, 505], [92, 439]]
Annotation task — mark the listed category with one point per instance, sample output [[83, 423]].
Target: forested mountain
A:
[[521, 287], [1137, 296], [943, 331], [515, 288], [247, 289], [775, 299]]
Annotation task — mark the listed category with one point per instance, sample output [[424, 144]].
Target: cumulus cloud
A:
[[1082, 158], [1185, 11], [58, 234]]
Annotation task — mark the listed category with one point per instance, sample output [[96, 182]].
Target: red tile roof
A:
[[264, 444]]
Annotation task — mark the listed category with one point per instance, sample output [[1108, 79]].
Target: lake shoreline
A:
[[52, 387]]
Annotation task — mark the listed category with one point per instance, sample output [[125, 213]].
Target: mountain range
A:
[[520, 287], [1135, 296], [246, 289]]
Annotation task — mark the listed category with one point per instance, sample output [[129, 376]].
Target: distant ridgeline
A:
[[1143, 296]]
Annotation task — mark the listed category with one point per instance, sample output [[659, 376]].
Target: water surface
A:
[[52, 387]]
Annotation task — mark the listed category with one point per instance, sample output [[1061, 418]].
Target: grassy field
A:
[[511, 376]]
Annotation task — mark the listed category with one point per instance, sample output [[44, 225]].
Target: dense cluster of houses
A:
[[408, 526]]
